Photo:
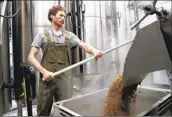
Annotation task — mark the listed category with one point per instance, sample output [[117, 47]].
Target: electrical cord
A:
[[11, 15]]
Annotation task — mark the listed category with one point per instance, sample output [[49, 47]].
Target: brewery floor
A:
[[14, 112]]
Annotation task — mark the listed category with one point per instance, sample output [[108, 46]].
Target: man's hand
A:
[[98, 54], [47, 75]]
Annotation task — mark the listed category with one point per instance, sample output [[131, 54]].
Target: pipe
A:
[[5, 95], [139, 21], [78, 7], [4, 8], [89, 59], [73, 18], [16, 51], [2, 18]]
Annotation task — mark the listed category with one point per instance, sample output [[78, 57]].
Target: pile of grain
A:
[[120, 101]]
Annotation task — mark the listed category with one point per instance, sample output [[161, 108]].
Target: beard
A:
[[59, 24]]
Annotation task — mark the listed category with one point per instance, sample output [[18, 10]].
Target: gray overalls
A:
[[55, 58]]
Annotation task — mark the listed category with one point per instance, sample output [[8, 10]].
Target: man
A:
[[54, 42]]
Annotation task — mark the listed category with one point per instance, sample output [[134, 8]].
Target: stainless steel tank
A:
[[5, 94], [106, 25]]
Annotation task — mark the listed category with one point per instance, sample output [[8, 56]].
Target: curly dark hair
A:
[[54, 9]]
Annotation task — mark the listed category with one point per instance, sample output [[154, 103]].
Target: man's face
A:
[[59, 18]]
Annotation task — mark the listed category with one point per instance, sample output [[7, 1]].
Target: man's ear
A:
[[51, 16]]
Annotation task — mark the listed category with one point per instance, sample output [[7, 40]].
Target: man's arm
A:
[[47, 75], [74, 41], [88, 48], [33, 61]]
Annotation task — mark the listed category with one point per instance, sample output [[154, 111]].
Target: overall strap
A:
[[66, 34], [48, 38], [47, 34]]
